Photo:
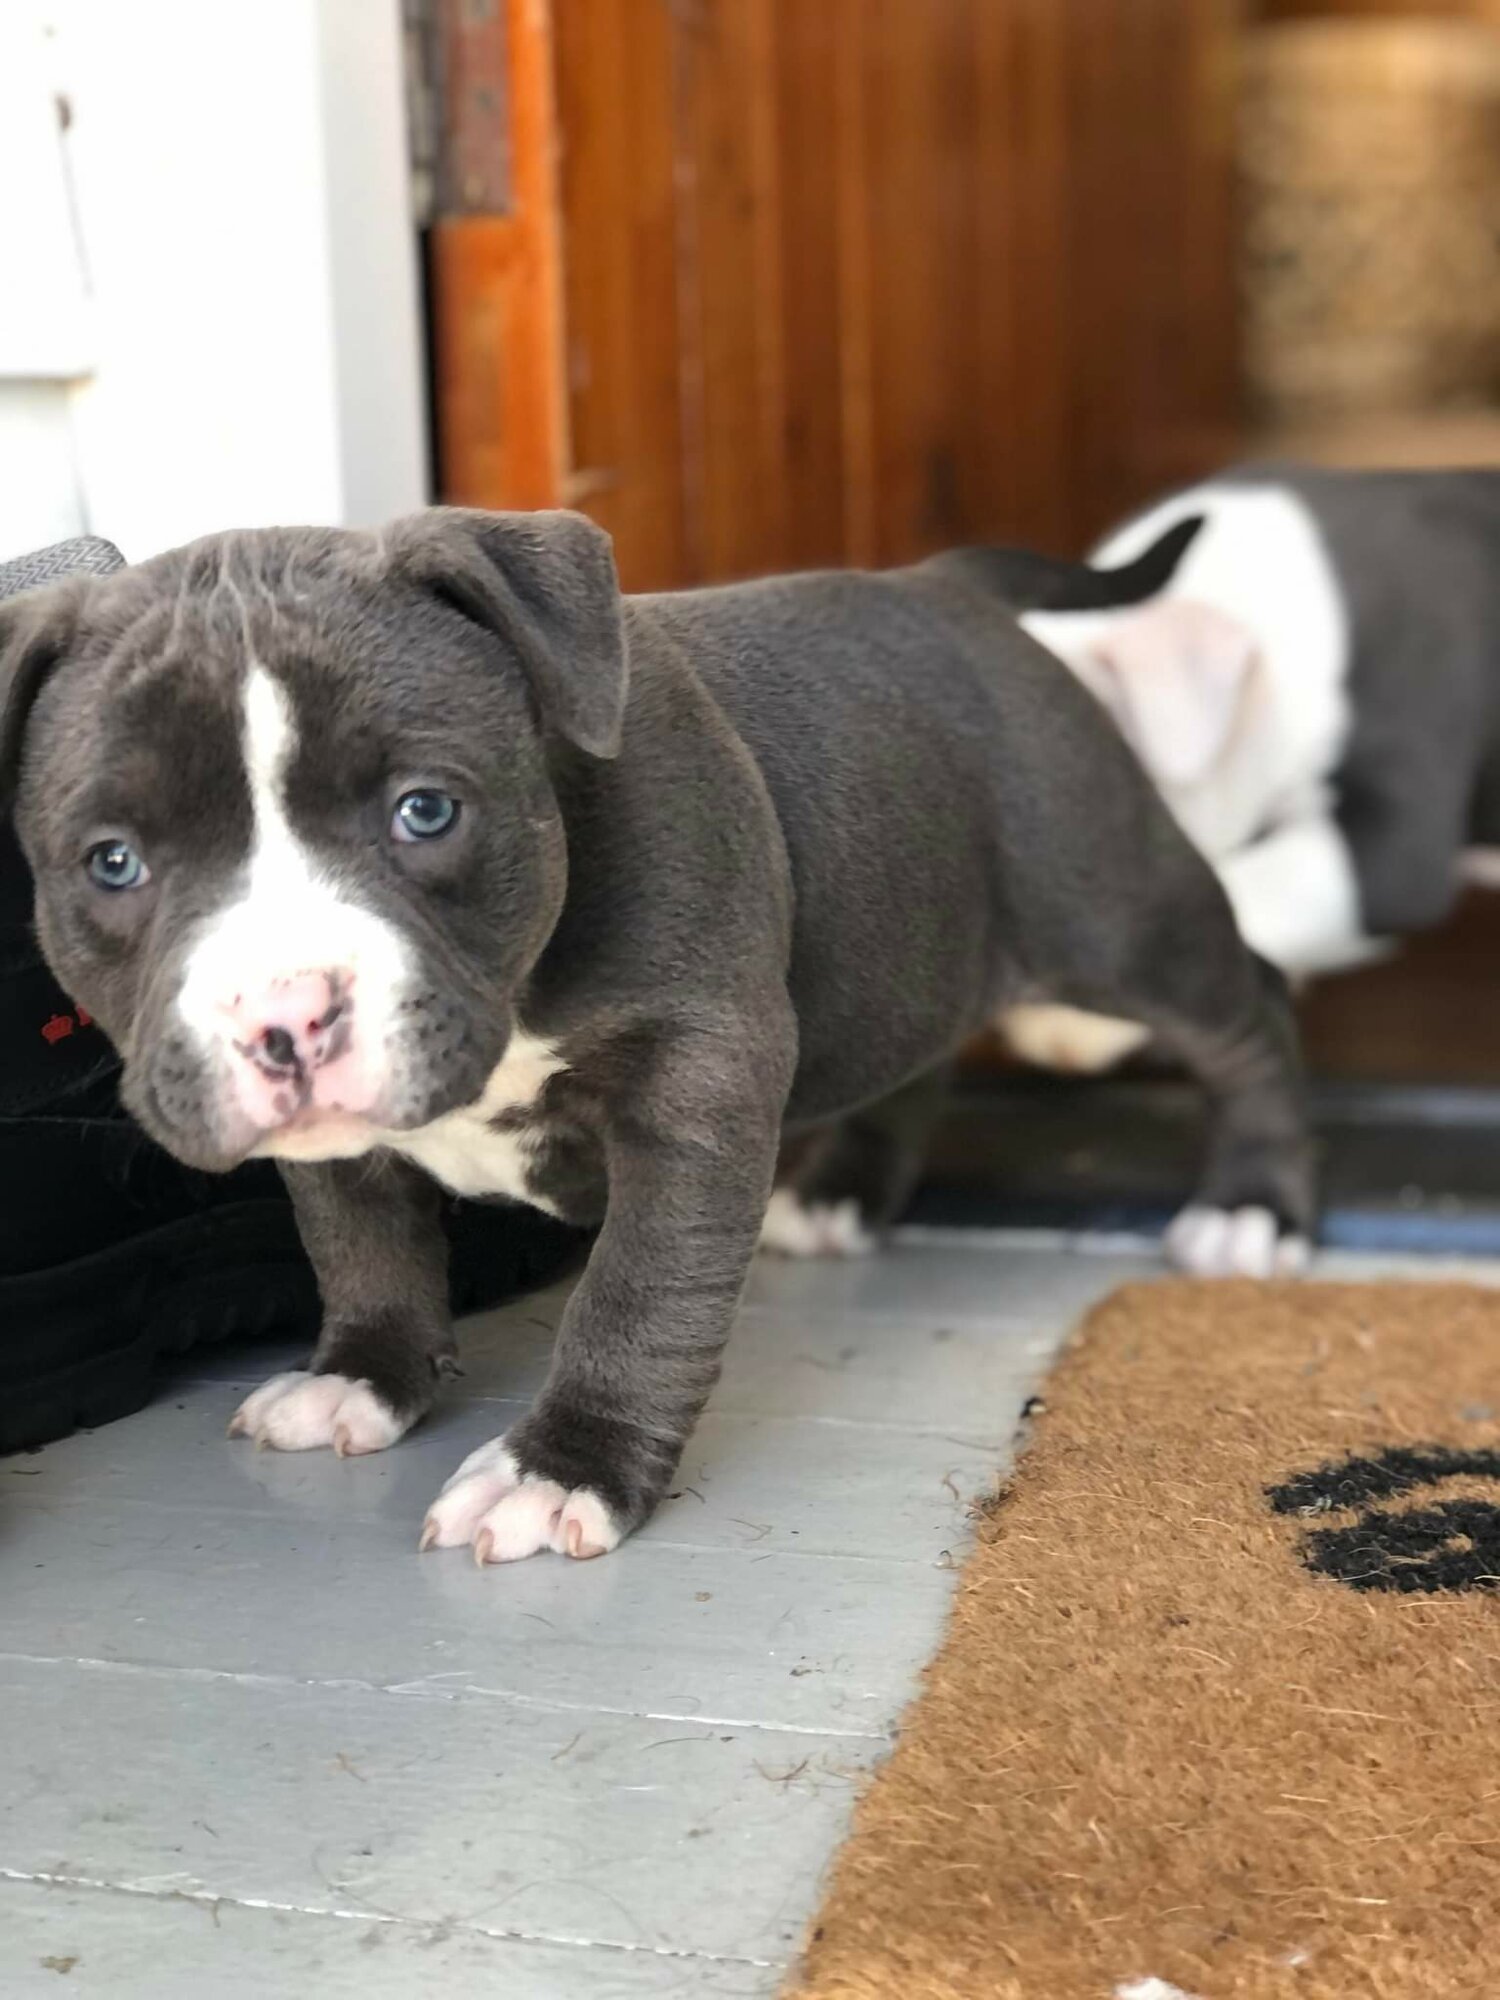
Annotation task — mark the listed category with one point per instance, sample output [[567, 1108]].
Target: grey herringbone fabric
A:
[[87, 553]]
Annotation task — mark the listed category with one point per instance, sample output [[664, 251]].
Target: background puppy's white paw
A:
[[793, 1228], [300, 1412], [505, 1514], [1234, 1243]]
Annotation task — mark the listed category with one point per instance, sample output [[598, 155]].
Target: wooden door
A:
[[780, 283]]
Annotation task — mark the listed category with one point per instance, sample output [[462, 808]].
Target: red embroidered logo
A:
[[62, 1025]]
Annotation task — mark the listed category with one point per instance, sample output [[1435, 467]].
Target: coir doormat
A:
[[1218, 1713]]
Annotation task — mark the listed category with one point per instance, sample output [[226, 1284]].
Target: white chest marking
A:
[[463, 1150]]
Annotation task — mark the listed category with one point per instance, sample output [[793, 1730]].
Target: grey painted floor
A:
[[252, 1744]]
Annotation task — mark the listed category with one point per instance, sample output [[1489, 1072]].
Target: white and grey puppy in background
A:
[[1316, 694]]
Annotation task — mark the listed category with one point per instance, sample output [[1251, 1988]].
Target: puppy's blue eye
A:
[[424, 815], [114, 864]]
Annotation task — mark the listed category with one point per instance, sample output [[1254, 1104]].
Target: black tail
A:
[[1135, 581], [1030, 582]]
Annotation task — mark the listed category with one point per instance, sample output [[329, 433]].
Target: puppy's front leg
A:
[[640, 1343], [373, 1231]]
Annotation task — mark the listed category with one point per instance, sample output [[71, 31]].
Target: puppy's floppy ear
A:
[[35, 632], [1172, 673], [1176, 672], [545, 583]]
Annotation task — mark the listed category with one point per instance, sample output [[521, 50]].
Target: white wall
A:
[[251, 336], [45, 336], [41, 499]]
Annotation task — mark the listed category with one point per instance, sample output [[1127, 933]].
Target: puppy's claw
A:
[[301, 1412], [505, 1515]]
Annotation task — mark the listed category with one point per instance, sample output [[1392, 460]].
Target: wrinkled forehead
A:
[[142, 725], [148, 722], [147, 719]]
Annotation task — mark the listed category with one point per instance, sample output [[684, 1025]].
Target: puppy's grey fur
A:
[[1417, 557], [743, 857]]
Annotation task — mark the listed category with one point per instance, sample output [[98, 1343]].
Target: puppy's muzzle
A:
[[295, 1049]]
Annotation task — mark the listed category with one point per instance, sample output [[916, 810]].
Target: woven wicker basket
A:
[[1370, 162]]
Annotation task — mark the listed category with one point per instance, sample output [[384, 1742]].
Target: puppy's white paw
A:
[[505, 1514], [1067, 1039], [793, 1228], [300, 1412], [1234, 1243]]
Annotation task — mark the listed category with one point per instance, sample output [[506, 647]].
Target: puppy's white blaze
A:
[[287, 916]]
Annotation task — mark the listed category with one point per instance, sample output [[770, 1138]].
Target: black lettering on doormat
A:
[[1449, 1545]]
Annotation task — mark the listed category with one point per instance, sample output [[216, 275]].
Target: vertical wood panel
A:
[[1144, 169], [815, 55], [1030, 94], [473, 153], [1282, 10], [729, 169], [851, 279], [497, 307], [993, 474], [918, 158], [856, 285], [620, 253], [1105, 244], [1206, 344]]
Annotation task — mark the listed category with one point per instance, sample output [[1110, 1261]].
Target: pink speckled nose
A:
[[294, 1026], [297, 1054]]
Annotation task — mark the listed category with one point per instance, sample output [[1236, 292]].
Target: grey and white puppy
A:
[[1316, 694], [425, 858]]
